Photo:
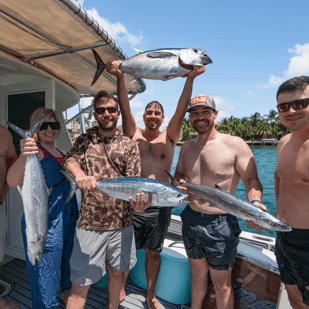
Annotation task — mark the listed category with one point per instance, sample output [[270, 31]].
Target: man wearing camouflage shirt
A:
[[104, 235]]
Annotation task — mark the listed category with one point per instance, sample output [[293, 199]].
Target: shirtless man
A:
[[157, 152], [7, 157], [292, 190], [210, 234]]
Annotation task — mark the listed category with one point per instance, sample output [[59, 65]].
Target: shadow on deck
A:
[[15, 272]]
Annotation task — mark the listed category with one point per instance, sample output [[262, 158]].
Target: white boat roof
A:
[[55, 37]]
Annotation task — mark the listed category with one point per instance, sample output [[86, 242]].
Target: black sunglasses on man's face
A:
[[101, 110], [53, 125], [297, 104]]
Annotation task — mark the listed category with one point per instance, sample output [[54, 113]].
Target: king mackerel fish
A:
[[163, 194], [34, 194], [160, 64], [234, 205]]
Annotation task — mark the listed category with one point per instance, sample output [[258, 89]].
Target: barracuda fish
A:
[[160, 64], [163, 194], [34, 194], [234, 205]]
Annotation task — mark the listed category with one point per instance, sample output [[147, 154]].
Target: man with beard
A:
[[292, 190], [104, 234], [211, 235], [157, 152]]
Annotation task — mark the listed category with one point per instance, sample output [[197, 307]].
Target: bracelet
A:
[[256, 201]]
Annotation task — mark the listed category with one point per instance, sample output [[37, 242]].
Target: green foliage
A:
[[255, 127]]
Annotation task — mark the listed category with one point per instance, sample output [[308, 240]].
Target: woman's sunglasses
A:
[[297, 104], [53, 126]]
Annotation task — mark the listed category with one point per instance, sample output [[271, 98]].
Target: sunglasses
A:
[[297, 104], [101, 110], [53, 126]]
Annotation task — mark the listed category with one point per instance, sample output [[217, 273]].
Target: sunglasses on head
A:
[[53, 126], [101, 110], [297, 104]]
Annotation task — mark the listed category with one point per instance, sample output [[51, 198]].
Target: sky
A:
[[254, 46]]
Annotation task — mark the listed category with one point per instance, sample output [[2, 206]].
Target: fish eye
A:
[[195, 50], [179, 195]]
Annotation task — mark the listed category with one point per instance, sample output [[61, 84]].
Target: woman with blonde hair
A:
[[49, 279]]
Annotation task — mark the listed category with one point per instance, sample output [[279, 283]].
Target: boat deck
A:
[[15, 272]]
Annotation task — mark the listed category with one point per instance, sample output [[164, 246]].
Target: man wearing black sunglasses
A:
[[104, 235], [157, 152], [292, 190]]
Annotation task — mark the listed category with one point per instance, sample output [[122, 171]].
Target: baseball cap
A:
[[202, 100]]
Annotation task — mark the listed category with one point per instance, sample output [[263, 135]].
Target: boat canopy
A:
[[56, 37]]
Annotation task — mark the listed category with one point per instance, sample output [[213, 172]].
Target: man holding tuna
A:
[[211, 235], [104, 234], [157, 152]]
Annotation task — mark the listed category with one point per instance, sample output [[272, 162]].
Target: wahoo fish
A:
[[163, 194], [234, 205], [34, 193], [160, 64]]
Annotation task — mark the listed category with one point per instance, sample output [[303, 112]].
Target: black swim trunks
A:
[[292, 252], [214, 237], [150, 227]]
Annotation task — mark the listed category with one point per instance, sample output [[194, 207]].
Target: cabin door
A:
[[19, 107]]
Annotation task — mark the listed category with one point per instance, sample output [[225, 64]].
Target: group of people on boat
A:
[[106, 233]]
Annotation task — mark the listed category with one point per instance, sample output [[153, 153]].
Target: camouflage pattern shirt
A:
[[104, 158]]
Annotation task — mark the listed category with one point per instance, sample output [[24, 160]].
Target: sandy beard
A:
[[152, 126], [108, 126]]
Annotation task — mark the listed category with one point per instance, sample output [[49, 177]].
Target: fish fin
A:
[[160, 54], [218, 187], [73, 185], [100, 67], [20, 190], [169, 77], [174, 182], [138, 50], [135, 79], [49, 190]]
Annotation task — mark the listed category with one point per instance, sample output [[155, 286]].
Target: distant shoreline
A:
[[250, 143]]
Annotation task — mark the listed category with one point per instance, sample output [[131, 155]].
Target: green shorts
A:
[[94, 250]]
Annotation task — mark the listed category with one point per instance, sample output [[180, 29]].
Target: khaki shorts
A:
[[94, 250]]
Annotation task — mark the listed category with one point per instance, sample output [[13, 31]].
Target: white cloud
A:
[[116, 30], [139, 119], [299, 65], [222, 114], [221, 102], [135, 103], [150, 90], [250, 92]]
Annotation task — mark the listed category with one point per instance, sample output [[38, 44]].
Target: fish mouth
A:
[[205, 59], [185, 66]]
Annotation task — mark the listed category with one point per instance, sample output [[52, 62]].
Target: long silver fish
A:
[[163, 194], [160, 64], [234, 205], [34, 194]]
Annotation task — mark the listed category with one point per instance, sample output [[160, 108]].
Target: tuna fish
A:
[[234, 205], [163, 194], [160, 64], [34, 194]]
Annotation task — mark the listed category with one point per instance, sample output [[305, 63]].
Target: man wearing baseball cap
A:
[[211, 235]]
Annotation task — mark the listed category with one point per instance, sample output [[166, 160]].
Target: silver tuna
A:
[[34, 194], [234, 205], [163, 194], [160, 64]]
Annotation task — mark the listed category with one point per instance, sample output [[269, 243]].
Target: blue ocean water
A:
[[266, 160]]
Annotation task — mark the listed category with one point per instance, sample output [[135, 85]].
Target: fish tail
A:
[[174, 182], [100, 67], [26, 133], [73, 186]]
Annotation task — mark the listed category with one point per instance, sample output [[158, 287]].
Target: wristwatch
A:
[[256, 201]]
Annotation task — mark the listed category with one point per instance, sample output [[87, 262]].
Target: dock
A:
[[264, 142]]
